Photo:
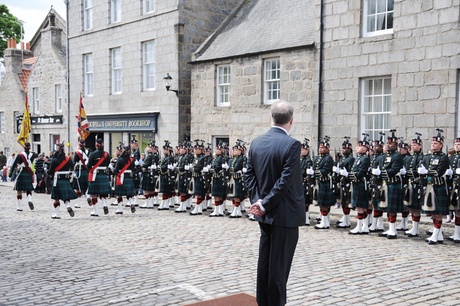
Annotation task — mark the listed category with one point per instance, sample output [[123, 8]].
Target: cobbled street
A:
[[156, 257]]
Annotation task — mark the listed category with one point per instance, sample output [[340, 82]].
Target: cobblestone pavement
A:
[[163, 258]]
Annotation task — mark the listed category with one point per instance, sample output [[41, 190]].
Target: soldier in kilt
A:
[[25, 177], [415, 198], [359, 175], [219, 185], [137, 172], [345, 163], [61, 189], [183, 169], [454, 162], [237, 169], [404, 151], [167, 177], [433, 170], [198, 182], [322, 169], [308, 180], [80, 182], [207, 177], [376, 184], [124, 182], [389, 168], [150, 175], [98, 179]]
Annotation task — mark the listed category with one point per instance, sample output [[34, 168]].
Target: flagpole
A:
[[68, 71]]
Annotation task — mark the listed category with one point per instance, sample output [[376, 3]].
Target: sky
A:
[[33, 12]]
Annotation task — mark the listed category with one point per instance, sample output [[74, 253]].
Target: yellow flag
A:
[[26, 126]]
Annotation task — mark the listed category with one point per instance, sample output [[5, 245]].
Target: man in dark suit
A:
[[274, 184]]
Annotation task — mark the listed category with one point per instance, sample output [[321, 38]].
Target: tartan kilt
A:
[[148, 184], [23, 181], [101, 186], [240, 190], [183, 183], [442, 201], [199, 189], [395, 198], [137, 179], [82, 183], [415, 202], [326, 195], [63, 190], [219, 189], [165, 185], [127, 188], [360, 196]]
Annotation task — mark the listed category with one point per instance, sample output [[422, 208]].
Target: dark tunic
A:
[[136, 155], [81, 181], [308, 180], [359, 176], [127, 188], [101, 186], [167, 179], [63, 189], [24, 178], [184, 175], [236, 170], [454, 162], [437, 164], [150, 175], [390, 165], [198, 165], [322, 165], [219, 185]]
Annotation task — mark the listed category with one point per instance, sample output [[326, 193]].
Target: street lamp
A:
[[168, 79]]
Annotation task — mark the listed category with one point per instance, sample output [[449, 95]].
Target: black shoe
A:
[[54, 217], [88, 200], [70, 211], [402, 229], [119, 213], [106, 210], [18, 209], [412, 235], [31, 205], [94, 215], [392, 236], [133, 209], [382, 235]]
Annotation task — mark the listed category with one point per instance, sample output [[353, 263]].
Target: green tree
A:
[[10, 27]]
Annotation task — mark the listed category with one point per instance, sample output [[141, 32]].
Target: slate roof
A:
[[259, 26]]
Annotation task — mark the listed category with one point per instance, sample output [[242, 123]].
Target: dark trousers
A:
[[276, 250]]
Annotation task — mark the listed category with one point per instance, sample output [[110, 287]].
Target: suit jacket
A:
[[274, 175]]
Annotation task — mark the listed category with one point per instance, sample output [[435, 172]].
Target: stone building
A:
[[119, 56], [38, 68], [348, 67]]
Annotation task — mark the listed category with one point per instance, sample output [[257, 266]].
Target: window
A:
[[36, 100], [148, 6], [116, 70], [115, 11], [88, 74], [223, 85], [376, 106], [378, 17], [148, 58], [58, 98], [2, 122], [271, 80], [87, 14]]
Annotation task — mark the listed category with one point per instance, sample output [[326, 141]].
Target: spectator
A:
[[2, 160], [4, 174], [9, 164]]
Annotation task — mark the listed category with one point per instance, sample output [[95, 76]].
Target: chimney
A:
[[11, 43], [12, 58]]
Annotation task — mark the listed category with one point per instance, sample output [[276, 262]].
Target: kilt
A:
[[137, 179], [326, 195], [360, 196], [442, 201], [148, 183], [23, 181], [82, 182], [240, 190], [127, 188], [395, 198], [101, 186], [219, 189], [199, 189], [165, 184], [415, 201], [183, 183], [63, 190]]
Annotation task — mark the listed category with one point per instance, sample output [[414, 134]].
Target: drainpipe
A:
[[320, 74]]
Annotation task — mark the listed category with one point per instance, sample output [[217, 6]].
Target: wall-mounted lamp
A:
[[168, 79]]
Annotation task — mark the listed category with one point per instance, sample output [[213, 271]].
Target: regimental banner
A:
[[132, 122], [46, 119]]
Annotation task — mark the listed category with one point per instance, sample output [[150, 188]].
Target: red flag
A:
[[83, 125]]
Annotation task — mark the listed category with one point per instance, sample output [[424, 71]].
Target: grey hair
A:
[[281, 112]]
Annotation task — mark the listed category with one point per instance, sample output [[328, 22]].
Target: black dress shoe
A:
[[133, 209], [382, 235], [119, 213], [431, 241], [392, 236], [94, 215], [106, 210], [18, 209], [402, 229], [54, 217], [234, 217], [31, 205], [88, 200], [180, 211], [70, 211], [412, 235]]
